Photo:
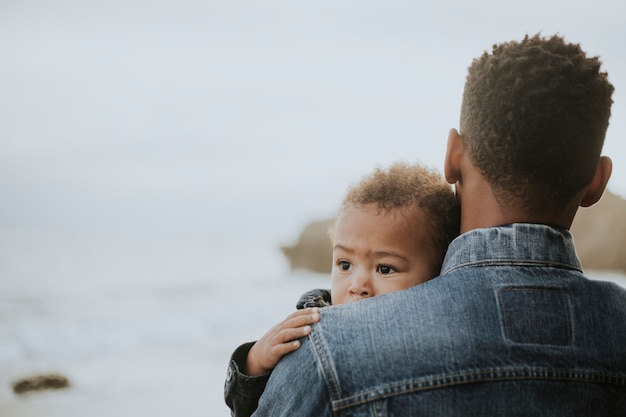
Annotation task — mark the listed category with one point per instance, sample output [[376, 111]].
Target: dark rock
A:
[[40, 382], [600, 234], [313, 251]]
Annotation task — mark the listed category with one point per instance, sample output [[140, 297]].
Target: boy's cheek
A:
[[337, 295]]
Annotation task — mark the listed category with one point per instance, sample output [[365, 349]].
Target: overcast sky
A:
[[159, 116]]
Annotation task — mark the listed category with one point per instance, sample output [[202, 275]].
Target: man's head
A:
[[533, 120]]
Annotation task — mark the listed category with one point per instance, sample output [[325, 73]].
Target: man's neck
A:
[[480, 208]]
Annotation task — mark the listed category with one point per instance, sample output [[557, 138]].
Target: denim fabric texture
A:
[[510, 327]]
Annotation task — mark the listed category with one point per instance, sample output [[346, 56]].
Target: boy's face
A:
[[379, 252]]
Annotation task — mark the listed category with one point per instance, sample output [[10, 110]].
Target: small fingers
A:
[[288, 335], [302, 317], [295, 326], [285, 348], [282, 350]]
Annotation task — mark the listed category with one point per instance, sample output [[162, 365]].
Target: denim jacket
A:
[[511, 327]]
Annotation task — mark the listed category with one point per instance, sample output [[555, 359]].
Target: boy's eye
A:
[[385, 269], [344, 265]]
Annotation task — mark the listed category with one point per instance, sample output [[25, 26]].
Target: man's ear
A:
[[454, 155], [598, 184]]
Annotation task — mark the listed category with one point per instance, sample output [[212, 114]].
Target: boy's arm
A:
[[280, 340], [241, 391], [251, 364]]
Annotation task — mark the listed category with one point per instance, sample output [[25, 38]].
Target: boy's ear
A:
[[454, 154], [598, 184]]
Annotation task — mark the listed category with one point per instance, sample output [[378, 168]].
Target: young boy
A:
[[391, 233]]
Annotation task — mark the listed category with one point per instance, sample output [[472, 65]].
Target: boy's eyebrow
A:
[[343, 248], [378, 254], [391, 254]]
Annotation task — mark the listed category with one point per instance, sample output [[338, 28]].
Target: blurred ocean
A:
[[139, 329]]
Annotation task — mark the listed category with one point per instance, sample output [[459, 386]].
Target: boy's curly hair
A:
[[404, 186], [534, 117]]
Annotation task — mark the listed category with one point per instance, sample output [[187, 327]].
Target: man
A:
[[511, 326]]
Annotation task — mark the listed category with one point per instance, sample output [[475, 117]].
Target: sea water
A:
[[142, 328], [139, 328]]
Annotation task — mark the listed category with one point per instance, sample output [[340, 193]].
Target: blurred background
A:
[[154, 156]]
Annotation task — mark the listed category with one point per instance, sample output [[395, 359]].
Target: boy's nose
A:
[[361, 285]]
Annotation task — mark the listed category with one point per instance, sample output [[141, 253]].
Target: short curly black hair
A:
[[404, 186], [534, 117]]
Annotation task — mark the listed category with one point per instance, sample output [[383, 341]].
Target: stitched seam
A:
[[489, 375], [512, 262], [566, 313], [323, 359]]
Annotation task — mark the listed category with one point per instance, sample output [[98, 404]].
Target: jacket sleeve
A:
[[314, 298], [241, 391]]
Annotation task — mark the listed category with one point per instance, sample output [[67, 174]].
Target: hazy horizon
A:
[[204, 118]]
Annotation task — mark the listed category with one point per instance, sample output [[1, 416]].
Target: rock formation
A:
[[313, 251], [600, 234], [40, 382]]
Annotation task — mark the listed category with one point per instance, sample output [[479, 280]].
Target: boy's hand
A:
[[280, 340]]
